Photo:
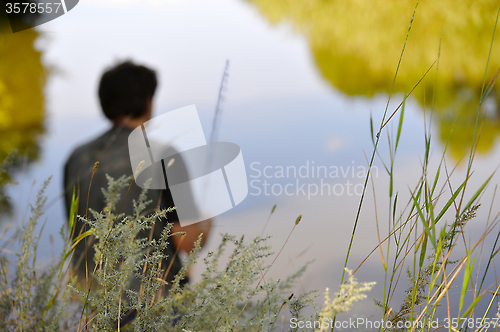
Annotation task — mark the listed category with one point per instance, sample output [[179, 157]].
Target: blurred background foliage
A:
[[22, 100], [356, 46]]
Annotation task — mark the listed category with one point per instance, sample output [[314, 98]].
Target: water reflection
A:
[[22, 80], [356, 46]]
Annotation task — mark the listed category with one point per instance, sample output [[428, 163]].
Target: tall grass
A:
[[231, 297], [419, 236]]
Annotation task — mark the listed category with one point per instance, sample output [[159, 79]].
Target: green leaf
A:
[[478, 192], [436, 179], [72, 212], [472, 305], [394, 207], [427, 229], [489, 87], [465, 282], [371, 129], [450, 201], [75, 242], [422, 252], [400, 125], [427, 149]]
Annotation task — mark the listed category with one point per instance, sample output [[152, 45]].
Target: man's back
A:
[[111, 151]]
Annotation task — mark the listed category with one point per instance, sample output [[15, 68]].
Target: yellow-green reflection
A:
[[22, 79], [356, 45]]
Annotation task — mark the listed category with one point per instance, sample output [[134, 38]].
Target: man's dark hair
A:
[[124, 90]]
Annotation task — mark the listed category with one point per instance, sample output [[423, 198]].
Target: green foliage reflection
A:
[[22, 79], [356, 45]]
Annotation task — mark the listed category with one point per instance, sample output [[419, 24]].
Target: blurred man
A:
[[126, 92]]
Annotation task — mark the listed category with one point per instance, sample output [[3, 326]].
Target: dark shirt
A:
[[111, 151]]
